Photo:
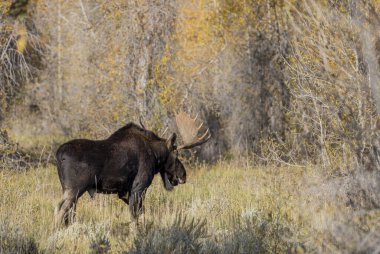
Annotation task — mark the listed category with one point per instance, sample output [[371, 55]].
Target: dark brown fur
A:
[[123, 164]]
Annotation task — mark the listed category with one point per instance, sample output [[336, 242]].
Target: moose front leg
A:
[[140, 185], [136, 203]]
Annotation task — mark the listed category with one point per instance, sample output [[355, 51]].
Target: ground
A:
[[225, 208]]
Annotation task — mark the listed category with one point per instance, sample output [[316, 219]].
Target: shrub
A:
[[14, 240], [182, 236], [256, 235], [100, 245], [11, 157]]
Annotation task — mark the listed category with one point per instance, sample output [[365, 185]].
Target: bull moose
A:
[[123, 164]]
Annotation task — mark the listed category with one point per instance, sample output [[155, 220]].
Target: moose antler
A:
[[188, 130], [162, 134], [143, 126], [141, 123]]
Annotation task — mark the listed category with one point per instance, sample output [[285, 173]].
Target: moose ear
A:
[[170, 143]]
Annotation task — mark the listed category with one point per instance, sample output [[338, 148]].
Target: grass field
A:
[[225, 208]]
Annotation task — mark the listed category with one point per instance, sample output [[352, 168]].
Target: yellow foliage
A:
[[4, 6], [115, 116], [21, 38], [21, 43]]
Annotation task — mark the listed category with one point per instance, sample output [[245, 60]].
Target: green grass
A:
[[225, 208]]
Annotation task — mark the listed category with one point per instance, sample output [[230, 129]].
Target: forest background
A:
[[279, 83]]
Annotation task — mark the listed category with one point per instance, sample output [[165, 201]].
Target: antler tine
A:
[[141, 122], [188, 129], [200, 126], [164, 131], [203, 139]]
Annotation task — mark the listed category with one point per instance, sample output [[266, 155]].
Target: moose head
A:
[[172, 171]]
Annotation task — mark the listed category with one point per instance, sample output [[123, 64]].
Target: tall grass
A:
[[225, 208]]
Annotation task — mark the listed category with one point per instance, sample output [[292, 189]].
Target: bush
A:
[[14, 240], [100, 245], [182, 236], [249, 235], [11, 157], [257, 235]]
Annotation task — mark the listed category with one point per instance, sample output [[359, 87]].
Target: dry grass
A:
[[226, 208]]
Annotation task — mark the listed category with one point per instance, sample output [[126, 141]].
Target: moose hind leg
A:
[[70, 215], [65, 210], [57, 220], [61, 215]]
